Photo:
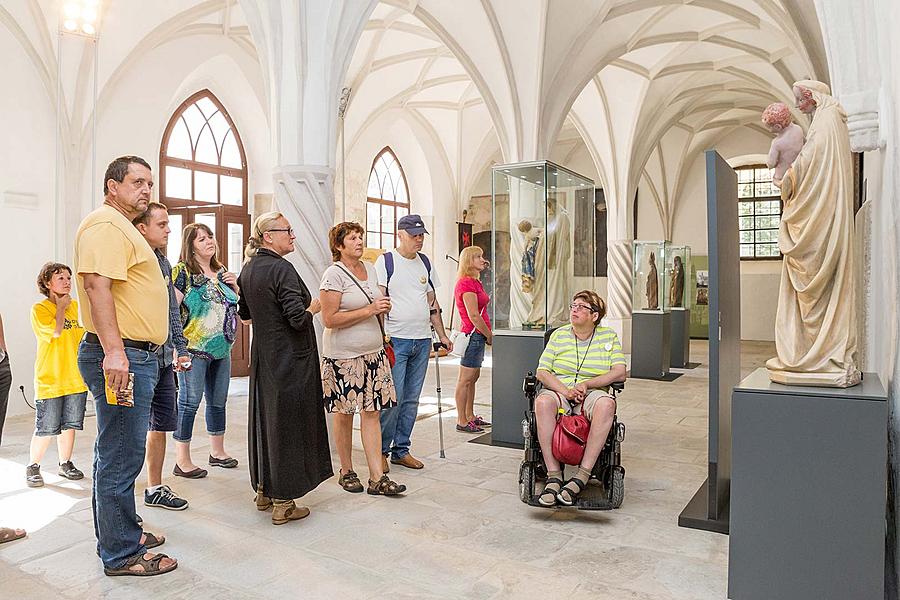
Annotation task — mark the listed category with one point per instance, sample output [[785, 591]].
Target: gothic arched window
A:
[[387, 200], [203, 176]]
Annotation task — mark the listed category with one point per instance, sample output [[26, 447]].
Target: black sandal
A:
[[573, 494], [150, 566], [350, 482], [555, 493], [385, 487]]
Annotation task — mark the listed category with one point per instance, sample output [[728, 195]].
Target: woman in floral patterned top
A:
[[208, 296], [356, 374]]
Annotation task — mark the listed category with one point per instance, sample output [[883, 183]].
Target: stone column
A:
[[305, 49], [618, 296], [305, 195]]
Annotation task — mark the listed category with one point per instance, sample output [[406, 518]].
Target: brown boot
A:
[[385, 465], [286, 510], [262, 502]]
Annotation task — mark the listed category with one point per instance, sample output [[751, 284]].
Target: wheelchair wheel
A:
[[526, 481], [617, 493]]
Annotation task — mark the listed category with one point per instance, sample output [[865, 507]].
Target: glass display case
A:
[[542, 238], [650, 276], [678, 270]]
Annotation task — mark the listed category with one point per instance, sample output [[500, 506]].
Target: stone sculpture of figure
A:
[[676, 285], [532, 237], [559, 272], [816, 320], [788, 139], [652, 285]]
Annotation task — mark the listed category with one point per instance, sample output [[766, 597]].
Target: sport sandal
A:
[[549, 496], [350, 482], [385, 487], [149, 566], [568, 494]]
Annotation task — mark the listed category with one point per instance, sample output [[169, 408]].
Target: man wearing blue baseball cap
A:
[[405, 274]]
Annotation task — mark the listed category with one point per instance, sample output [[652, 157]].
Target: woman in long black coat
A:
[[288, 439]]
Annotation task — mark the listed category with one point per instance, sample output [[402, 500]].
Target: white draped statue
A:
[[816, 320]]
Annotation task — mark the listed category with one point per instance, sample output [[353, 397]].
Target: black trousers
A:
[[5, 383]]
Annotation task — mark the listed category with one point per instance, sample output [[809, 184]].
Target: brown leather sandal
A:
[[8, 534], [385, 487], [350, 482], [152, 541], [149, 566]]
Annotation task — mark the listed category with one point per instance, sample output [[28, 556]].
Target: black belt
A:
[[91, 338]]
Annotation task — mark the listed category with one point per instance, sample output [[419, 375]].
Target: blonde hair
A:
[[466, 257], [262, 224]]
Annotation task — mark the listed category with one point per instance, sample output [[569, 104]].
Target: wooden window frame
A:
[[193, 165], [384, 202], [751, 200]]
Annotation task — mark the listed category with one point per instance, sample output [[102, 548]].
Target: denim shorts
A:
[[164, 406], [53, 415], [474, 355]]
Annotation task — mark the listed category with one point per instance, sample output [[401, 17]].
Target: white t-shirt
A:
[[410, 316], [365, 336]]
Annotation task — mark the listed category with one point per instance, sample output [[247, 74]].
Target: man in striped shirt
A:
[[576, 368]]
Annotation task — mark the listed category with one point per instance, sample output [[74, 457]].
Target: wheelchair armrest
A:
[[529, 386], [618, 386]]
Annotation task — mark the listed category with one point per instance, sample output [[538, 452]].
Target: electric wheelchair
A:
[[606, 488]]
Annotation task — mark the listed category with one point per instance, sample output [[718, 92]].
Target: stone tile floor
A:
[[460, 532]]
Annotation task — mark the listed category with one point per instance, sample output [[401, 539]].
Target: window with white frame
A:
[[759, 213]]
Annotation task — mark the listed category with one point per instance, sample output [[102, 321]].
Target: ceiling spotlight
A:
[[71, 10], [70, 25], [89, 15], [88, 29]]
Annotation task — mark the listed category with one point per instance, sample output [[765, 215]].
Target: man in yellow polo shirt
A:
[[124, 303]]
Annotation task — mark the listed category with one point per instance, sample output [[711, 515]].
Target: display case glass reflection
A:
[[650, 277], [543, 237], [678, 270]]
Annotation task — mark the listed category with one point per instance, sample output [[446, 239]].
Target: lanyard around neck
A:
[[587, 351]]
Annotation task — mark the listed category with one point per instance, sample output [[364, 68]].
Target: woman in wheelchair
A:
[[579, 363]]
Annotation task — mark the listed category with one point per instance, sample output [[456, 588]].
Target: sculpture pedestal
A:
[[680, 347], [650, 338], [514, 353], [808, 486]]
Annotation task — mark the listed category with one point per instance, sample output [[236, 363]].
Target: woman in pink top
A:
[[471, 302]]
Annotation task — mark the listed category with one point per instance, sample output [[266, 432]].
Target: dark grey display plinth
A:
[[514, 353], [808, 485], [650, 338], [680, 346]]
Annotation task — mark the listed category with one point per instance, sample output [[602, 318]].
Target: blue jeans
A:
[[206, 375], [118, 452], [409, 375]]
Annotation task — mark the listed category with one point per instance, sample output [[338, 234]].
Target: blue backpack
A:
[[389, 267]]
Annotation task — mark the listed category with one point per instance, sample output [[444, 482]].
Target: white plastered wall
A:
[[430, 190], [26, 204], [759, 279]]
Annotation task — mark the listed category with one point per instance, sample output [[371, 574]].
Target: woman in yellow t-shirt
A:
[[59, 391]]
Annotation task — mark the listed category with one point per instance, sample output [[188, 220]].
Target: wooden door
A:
[[231, 230]]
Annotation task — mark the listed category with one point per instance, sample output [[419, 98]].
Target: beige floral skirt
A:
[[364, 383]]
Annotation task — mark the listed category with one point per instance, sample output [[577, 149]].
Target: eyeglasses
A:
[[577, 306], [290, 230]]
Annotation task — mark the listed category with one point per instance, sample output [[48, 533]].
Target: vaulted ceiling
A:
[[647, 83]]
